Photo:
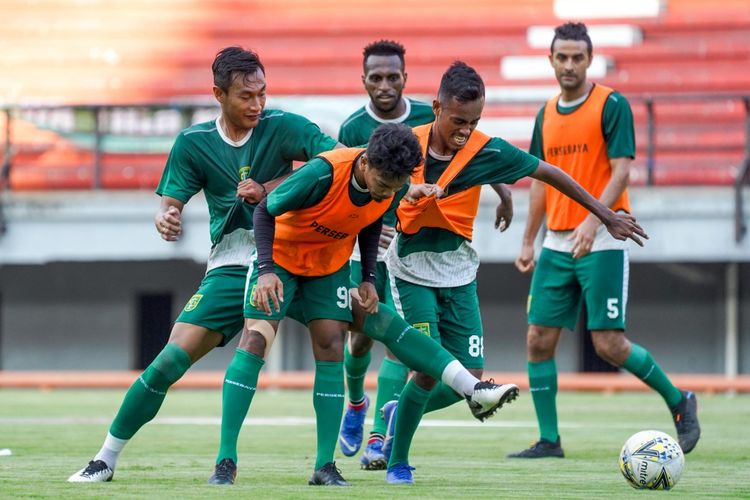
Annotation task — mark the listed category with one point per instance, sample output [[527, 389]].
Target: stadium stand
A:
[[140, 52]]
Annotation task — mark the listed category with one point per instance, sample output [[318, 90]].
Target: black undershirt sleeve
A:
[[368, 249], [265, 228]]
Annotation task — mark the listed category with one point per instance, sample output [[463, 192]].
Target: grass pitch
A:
[[54, 433]]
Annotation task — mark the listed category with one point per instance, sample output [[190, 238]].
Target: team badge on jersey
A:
[[422, 327], [244, 173], [193, 302]]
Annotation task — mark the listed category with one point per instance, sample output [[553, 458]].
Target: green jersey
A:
[[308, 185], [203, 158], [617, 126], [356, 130], [441, 258]]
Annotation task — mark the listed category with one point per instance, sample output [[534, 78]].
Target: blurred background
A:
[[93, 92]]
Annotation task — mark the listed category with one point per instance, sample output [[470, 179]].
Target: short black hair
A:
[[384, 48], [231, 62], [394, 150], [462, 82], [572, 31]]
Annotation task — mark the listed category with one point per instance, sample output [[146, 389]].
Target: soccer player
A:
[[234, 160], [305, 232], [588, 130], [432, 264], [384, 80]]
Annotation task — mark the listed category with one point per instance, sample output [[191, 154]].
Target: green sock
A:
[[145, 396], [441, 396], [642, 365], [410, 410], [413, 348], [240, 382], [391, 381], [543, 387], [328, 401], [356, 369]]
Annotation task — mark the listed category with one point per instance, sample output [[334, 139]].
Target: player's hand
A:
[[169, 224], [503, 215], [624, 226], [525, 260], [418, 191], [366, 296], [583, 236], [269, 290], [387, 233], [251, 191]]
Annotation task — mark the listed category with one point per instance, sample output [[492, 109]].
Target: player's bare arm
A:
[[168, 219], [537, 208], [620, 226], [583, 236], [504, 210]]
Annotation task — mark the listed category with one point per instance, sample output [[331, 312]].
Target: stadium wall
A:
[[73, 267]]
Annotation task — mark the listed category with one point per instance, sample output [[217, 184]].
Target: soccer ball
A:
[[651, 460]]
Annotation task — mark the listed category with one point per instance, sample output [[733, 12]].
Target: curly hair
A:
[[462, 82], [572, 31], [394, 150], [384, 48], [232, 62]]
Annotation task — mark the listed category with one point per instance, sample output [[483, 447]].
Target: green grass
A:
[[54, 433]]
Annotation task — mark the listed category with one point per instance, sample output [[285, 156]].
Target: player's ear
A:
[[219, 94], [436, 107]]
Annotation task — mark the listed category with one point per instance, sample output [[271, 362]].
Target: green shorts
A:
[[448, 315], [382, 285], [560, 282], [306, 298], [217, 305]]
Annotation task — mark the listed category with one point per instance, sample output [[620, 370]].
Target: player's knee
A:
[[540, 343], [171, 364], [424, 381], [257, 337], [611, 346], [360, 344]]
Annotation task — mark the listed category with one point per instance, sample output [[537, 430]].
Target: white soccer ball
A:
[[651, 460]]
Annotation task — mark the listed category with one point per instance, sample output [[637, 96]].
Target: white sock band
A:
[[459, 378], [111, 450]]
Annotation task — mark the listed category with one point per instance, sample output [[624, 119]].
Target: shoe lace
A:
[[94, 466], [224, 469], [334, 471], [402, 471]]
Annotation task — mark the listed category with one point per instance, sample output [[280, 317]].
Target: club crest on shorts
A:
[[422, 327], [193, 302]]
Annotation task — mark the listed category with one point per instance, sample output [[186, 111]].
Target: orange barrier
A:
[[605, 382]]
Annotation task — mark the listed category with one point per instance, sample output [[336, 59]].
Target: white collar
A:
[[229, 141], [398, 119]]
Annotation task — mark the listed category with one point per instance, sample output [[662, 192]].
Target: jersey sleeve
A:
[[536, 147], [504, 163], [303, 139], [617, 126], [181, 178], [304, 188]]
